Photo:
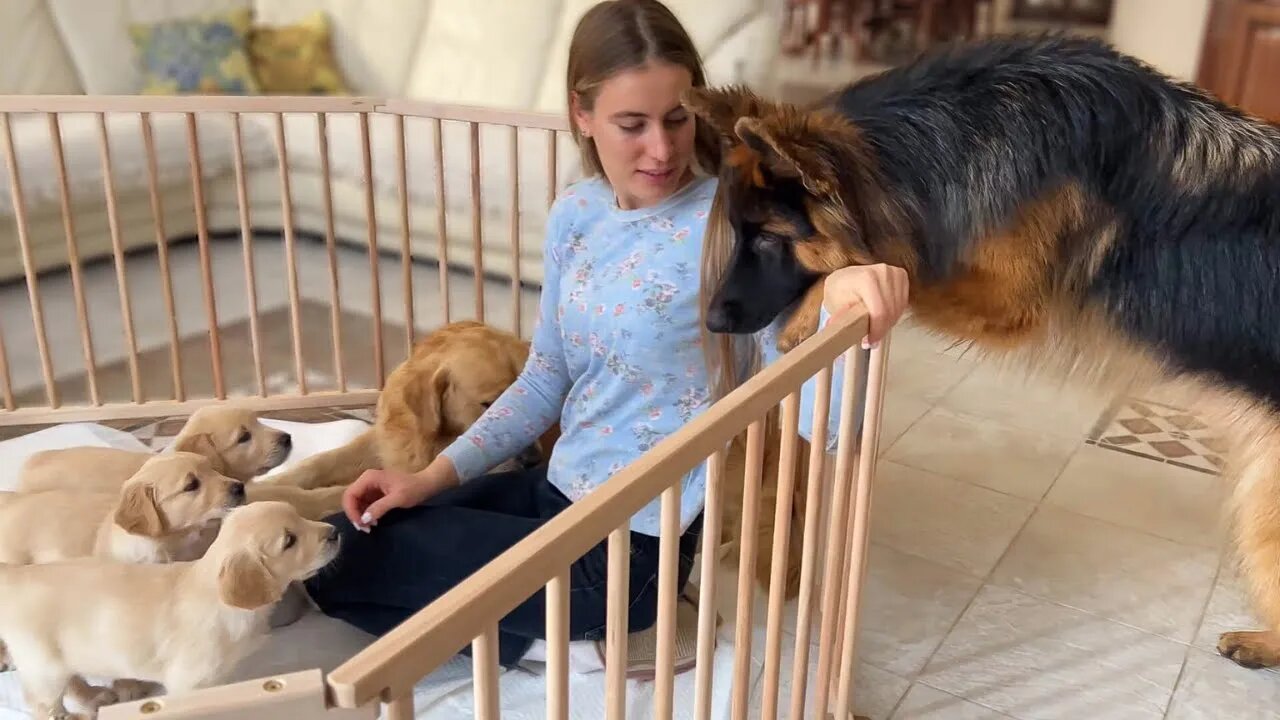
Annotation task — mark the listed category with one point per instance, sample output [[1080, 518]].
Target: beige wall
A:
[[1166, 33]]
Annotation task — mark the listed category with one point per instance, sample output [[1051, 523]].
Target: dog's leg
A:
[[338, 467], [43, 686], [130, 690], [803, 321], [91, 697], [314, 504], [1256, 507]]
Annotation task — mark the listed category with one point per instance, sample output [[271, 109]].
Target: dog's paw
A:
[[97, 698], [130, 690], [1252, 649]]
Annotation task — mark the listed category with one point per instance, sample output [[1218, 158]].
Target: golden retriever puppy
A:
[[233, 439], [152, 517], [182, 625], [452, 376]]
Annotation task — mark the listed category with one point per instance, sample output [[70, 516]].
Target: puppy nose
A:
[[237, 490], [333, 534], [530, 457], [722, 317], [286, 440]]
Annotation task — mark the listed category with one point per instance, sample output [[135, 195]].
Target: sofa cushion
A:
[[708, 24], [296, 59], [484, 52], [97, 36], [374, 42], [207, 54], [35, 59]]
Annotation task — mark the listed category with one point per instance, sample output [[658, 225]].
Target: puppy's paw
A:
[[130, 690], [95, 698], [1253, 650]]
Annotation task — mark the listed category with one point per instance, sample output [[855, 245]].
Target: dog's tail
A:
[[339, 466]]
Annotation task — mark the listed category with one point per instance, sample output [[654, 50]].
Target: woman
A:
[[617, 356]]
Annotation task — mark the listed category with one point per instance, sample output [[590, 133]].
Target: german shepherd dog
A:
[[1053, 202]]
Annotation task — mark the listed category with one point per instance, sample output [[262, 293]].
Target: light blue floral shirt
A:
[[616, 355]]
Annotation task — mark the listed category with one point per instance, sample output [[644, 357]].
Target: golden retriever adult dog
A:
[[183, 625], [233, 439], [452, 376]]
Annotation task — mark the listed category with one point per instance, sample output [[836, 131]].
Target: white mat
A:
[[319, 641]]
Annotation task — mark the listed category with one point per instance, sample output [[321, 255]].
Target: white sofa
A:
[[493, 53]]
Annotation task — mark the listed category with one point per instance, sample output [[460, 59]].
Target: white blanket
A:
[[319, 641]]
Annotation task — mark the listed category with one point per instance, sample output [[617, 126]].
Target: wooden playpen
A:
[[382, 676]]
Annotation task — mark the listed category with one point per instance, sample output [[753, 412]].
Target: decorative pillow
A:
[[206, 54], [296, 59]]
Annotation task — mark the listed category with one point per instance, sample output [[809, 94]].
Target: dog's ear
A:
[[137, 512], [720, 108], [244, 582], [199, 443], [786, 157]]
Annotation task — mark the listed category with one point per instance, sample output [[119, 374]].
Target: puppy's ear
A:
[[783, 156], [199, 443], [138, 513], [244, 582], [720, 108]]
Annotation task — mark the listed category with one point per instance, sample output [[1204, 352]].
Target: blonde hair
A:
[[619, 35]]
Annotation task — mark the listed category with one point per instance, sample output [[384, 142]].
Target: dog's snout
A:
[[333, 534], [286, 440], [530, 457], [722, 317], [236, 490]]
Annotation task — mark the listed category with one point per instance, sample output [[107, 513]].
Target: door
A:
[[1240, 62]]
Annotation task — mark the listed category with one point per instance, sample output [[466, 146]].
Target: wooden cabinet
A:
[[1240, 62]]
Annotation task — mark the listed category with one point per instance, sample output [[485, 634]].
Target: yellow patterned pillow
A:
[[206, 54], [296, 59]]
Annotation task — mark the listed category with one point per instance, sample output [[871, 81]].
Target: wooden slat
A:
[[477, 239], [786, 484], [712, 521], [184, 103], [668, 594], [206, 269], [860, 538], [484, 671], [371, 218], [117, 254], [552, 173], [162, 252], [169, 408], [406, 250], [442, 225], [558, 647], [28, 264], [400, 708], [752, 475], [617, 624], [837, 528], [475, 114], [433, 635], [809, 547], [294, 696], [290, 254], [6, 380], [246, 244], [515, 231], [331, 247]]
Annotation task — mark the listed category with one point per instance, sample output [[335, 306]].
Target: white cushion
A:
[[708, 24], [97, 36], [35, 60], [374, 42], [81, 149], [484, 52]]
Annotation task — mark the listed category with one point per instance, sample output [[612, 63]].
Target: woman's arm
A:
[[525, 411]]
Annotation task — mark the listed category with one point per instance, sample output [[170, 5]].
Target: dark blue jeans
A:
[[417, 554]]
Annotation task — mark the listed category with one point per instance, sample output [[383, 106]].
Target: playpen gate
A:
[[384, 674]]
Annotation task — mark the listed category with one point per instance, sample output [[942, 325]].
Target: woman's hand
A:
[[882, 289], [376, 492]]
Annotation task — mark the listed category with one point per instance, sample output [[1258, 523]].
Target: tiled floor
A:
[[1036, 554]]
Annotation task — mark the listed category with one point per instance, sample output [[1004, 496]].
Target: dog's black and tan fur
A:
[[1051, 200]]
